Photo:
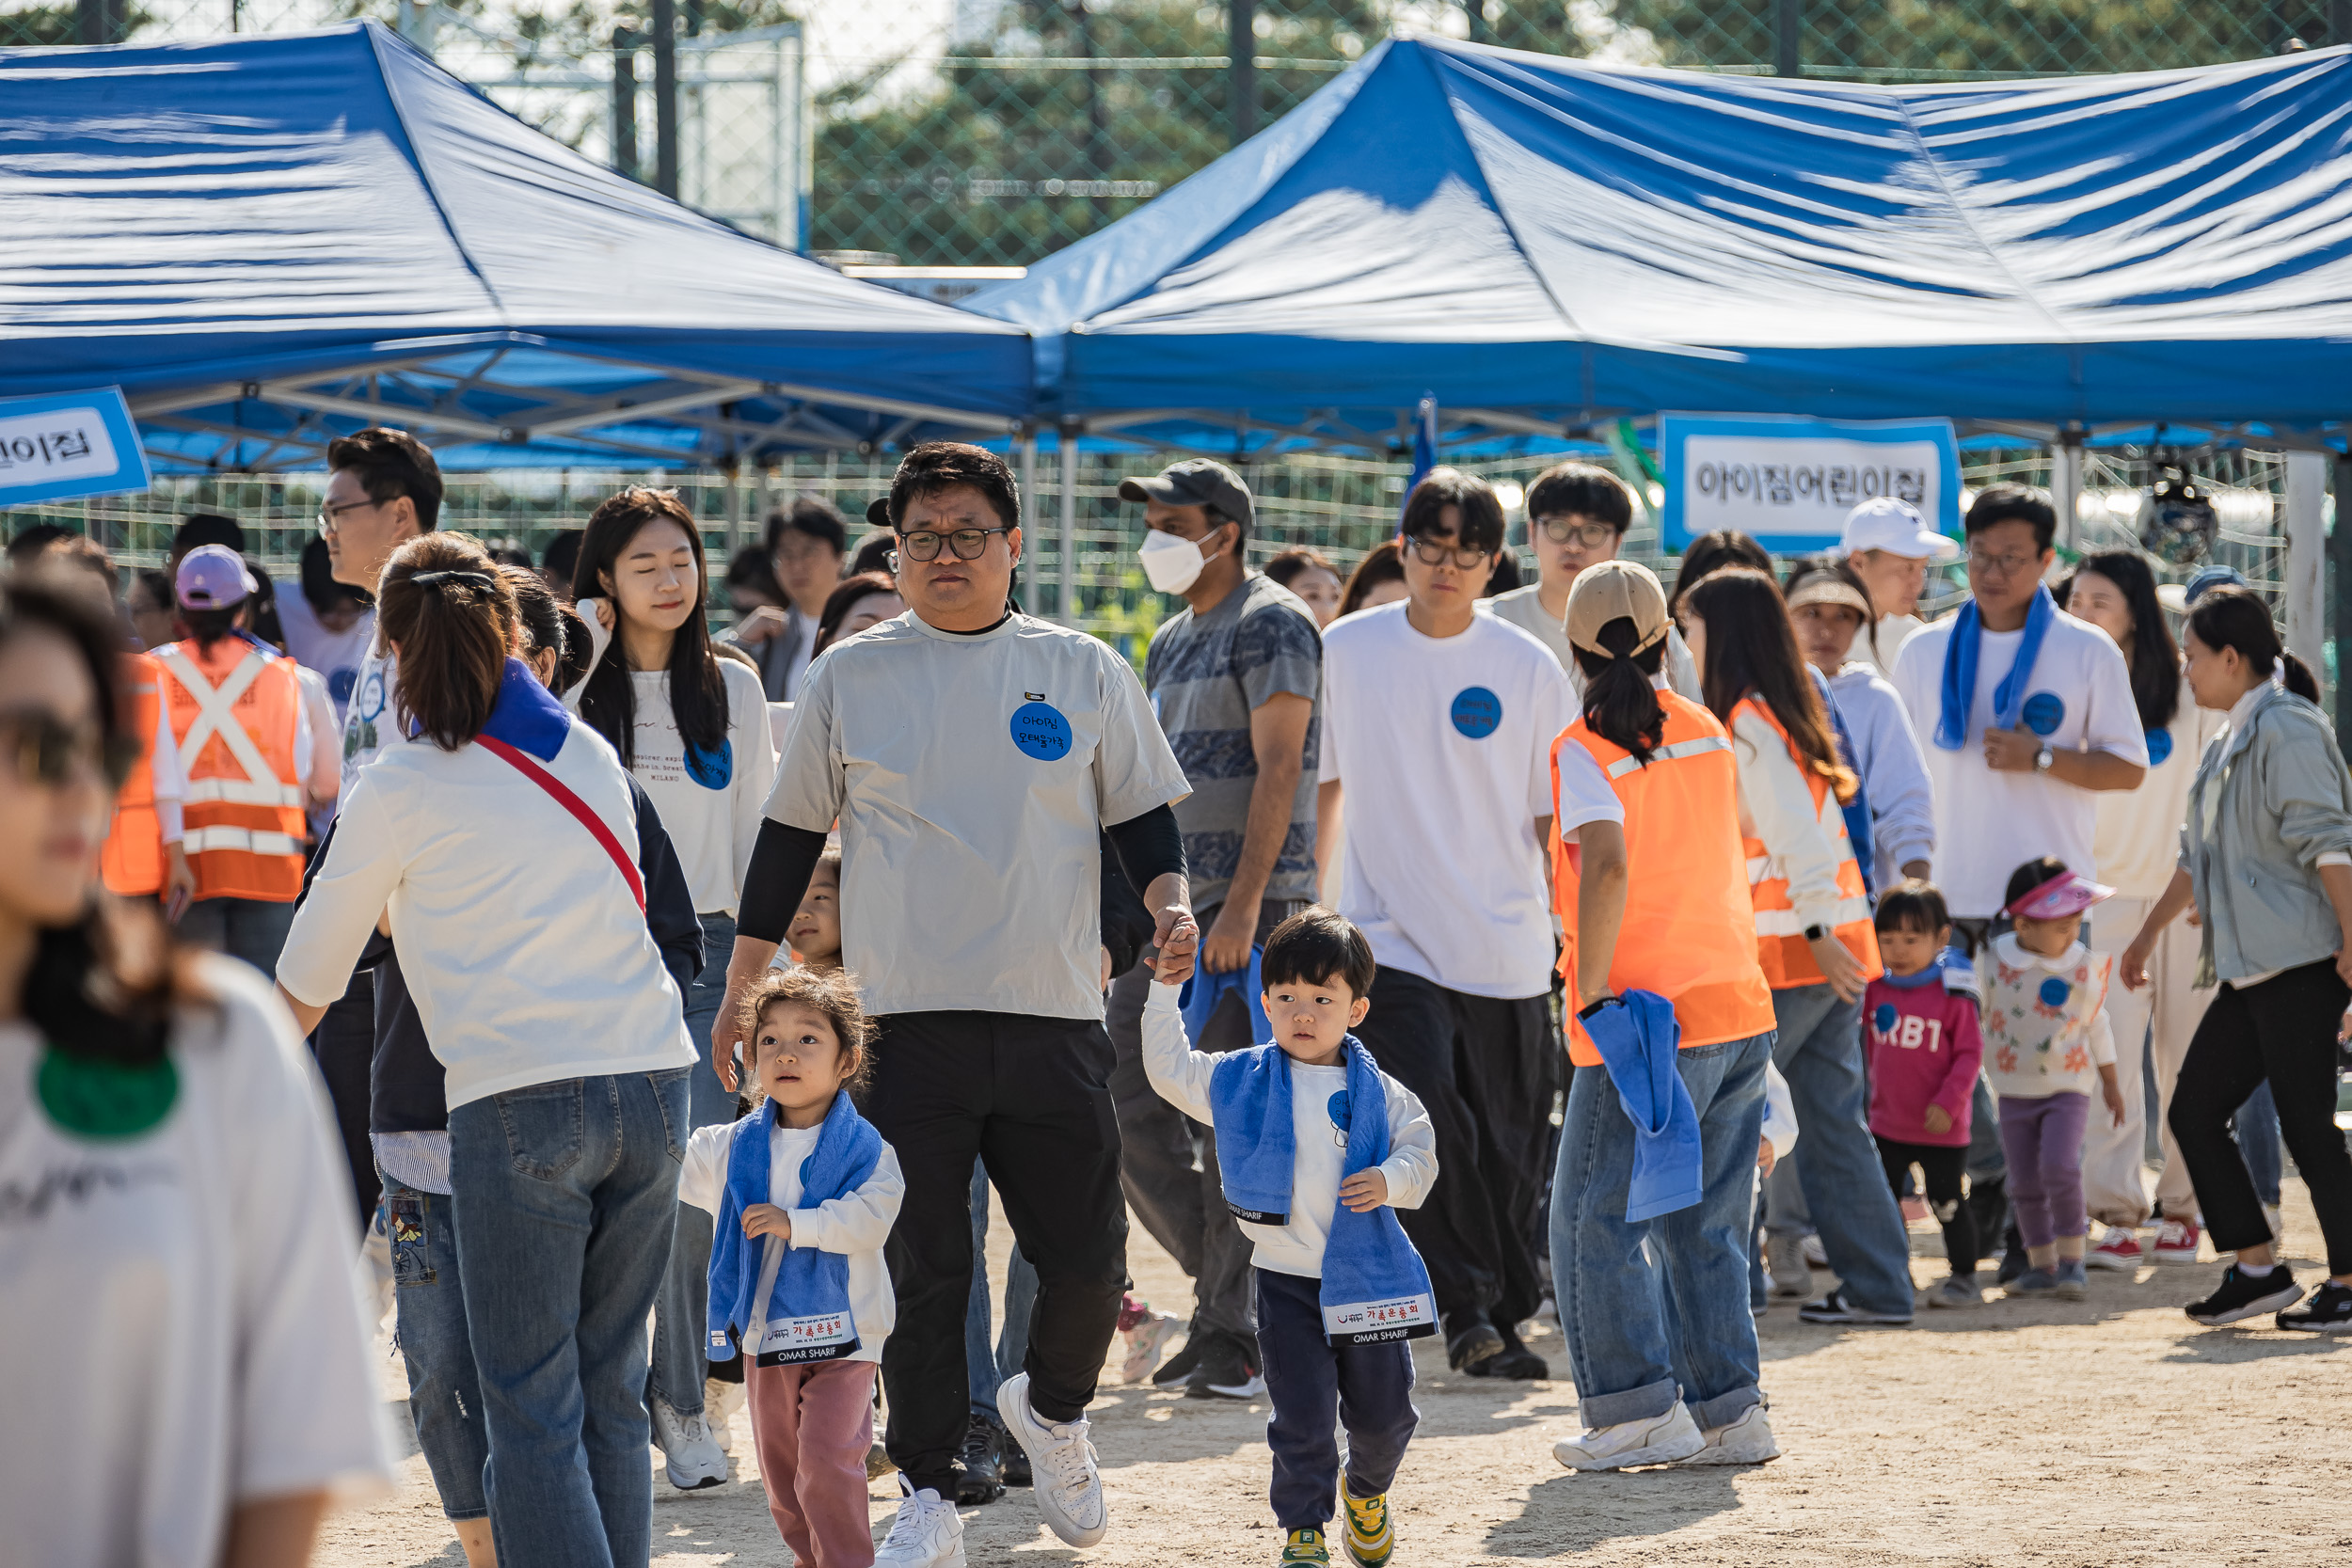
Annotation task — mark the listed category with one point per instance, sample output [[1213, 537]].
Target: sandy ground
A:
[[2110, 1431]]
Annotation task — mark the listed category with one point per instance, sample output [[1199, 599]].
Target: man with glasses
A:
[[1437, 724], [1577, 516], [974, 756]]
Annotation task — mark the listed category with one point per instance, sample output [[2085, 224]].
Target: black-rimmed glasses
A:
[[967, 543]]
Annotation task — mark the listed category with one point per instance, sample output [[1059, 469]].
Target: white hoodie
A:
[[1894, 770]]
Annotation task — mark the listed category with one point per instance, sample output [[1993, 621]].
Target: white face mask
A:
[[1173, 564]]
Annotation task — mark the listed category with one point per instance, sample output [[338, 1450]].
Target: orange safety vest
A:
[[1780, 943], [132, 860], [234, 713], [1688, 933]]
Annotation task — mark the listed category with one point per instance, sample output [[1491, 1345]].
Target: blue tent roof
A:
[[1554, 240], [265, 240]]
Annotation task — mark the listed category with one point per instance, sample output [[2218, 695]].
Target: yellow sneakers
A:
[[1305, 1550], [1370, 1537]]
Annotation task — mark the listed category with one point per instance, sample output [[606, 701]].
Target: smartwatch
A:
[[1814, 933], [2042, 759]]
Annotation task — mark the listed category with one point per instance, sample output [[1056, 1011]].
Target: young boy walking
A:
[[1318, 1146]]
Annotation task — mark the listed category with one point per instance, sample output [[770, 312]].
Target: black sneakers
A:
[[2241, 1295], [1513, 1361], [1469, 1337], [1176, 1371], [1228, 1370], [981, 1463], [2328, 1312]]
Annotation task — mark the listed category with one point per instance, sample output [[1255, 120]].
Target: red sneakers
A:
[[2120, 1250], [2176, 1243]]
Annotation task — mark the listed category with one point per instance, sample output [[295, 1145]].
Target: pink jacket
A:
[[1924, 1049]]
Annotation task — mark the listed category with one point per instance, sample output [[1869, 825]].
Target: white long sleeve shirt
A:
[[1180, 1075], [1777, 803], [1780, 1112], [854, 1224], [1893, 767]]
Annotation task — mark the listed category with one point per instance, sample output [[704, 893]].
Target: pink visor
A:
[[2067, 893]]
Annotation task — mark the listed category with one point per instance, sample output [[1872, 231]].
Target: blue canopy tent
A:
[[268, 241], [1542, 244]]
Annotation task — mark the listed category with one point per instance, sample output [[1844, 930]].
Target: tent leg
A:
[[2340, 546], [2306, 555], [2066, 487], [1066, 597]]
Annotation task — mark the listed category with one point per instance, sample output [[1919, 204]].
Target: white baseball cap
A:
[[1896, 527]]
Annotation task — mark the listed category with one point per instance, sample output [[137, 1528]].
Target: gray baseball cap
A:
[[1195, 482]]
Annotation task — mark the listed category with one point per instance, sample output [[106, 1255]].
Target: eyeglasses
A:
[[1437, 553], [966, 542], [2001, 565], [44, 748], [1590, 536], [331, 518]]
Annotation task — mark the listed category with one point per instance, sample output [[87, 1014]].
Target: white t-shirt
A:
[[1894, 631], [1444, 748], [1987, 824], [2139, 837], [1524, 609], [855, 1224], [181, 1329], [337, 655], [1585, 793], [368, 722], [972, 777]]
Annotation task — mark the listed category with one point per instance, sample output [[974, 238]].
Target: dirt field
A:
[[2110, 1431]]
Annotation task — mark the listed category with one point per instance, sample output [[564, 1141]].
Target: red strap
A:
[[578, 807]]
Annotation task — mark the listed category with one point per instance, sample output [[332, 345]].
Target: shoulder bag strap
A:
[[578, 807]]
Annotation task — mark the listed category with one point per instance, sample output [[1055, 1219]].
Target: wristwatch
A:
[[1814, 933], [2042, 759]]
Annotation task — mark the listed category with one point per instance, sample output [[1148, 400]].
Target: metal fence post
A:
[[98, 20], [1066, 596], [2340, 549], [1788, 38], [666, 97], [2307, 557], [2066, 486], [624, 148], [1241, 69]]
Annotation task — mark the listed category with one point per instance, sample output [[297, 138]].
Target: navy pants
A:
[[1317, 1388]]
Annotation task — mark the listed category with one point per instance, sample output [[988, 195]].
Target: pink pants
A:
[[811, 1427]]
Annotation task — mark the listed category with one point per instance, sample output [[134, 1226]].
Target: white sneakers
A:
[[1145, 1342], [1069, 1489], [1652, 1440], [720, 1401], [1672, 1438], [1784, 1262], [692, 1456], [927, 1532]]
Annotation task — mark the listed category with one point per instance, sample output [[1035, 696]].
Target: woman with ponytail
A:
[[502, 847], [1813, 931], [1651, 886], [182, 1349], [2266, 857]]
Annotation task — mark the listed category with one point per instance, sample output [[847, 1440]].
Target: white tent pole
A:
[[2306, 555], [1066, 600], [2066, 487]]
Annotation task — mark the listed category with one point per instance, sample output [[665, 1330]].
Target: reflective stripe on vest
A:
[[1688, 933], [132, 860], [205, 840], [1780, 943], [245, 826]]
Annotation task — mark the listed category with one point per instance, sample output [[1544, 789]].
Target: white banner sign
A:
[[1790, 482]]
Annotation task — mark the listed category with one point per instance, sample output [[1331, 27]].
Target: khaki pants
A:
[[2165, 1013]]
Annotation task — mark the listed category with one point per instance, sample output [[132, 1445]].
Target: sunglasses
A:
[[45, 749]]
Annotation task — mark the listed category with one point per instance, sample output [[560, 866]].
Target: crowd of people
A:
[[1416, 950]]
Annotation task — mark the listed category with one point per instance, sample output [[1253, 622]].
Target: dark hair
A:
[[560, 559], [511, 554], [104, 988], [1383, 562], [578, 645], [1504, 576], [843, 599], [1914, 905], [1752, 650], [391, 464], [813, 515], [539, 613], [698, 693], [1712, 552], [318, 581], [1481, 509], [1584, 490], [754, 567], [833, 993], [451, 632], [1289, 565], [261, 607], [1843, 570], [158, 587], [206, 528], [1620, 705], [2232, 617], [32, 539], [75, 549], [2030, 876], [1313, 946], [873, 553], [208, 627], [2154, 657], [2006, 503], [937, 466]]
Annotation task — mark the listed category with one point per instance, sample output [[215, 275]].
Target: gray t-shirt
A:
[[972, 777], [1207, 675]]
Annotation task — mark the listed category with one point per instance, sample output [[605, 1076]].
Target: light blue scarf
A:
[[1959, 670], [808, 1312]]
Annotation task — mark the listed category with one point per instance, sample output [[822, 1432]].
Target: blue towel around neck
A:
[[809, 1315], [1959, 670], [1637, 1044], [1204, 994], [1374, 1287]]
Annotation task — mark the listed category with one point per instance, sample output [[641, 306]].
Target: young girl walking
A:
[[2048, 1045], [805, 1192]]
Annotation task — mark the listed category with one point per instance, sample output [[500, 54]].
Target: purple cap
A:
[[2062, 897], [212, 576]]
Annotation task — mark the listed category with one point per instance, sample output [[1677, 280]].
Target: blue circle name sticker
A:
[[1883, 1016], [2054, 991], [1477, 712], [1336, 1108], [2045, 711], [2160, 747], [710, 767], [1041, 732]]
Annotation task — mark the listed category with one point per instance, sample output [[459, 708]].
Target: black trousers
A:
[[1319, 1390], [1945, 1167], [344, 1045], [2284, 1030], [1487, 1069], [1031, 1097]]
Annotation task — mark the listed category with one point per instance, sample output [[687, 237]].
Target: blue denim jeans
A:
[[681, 1312], [2256, 1125], [1837, 1162], [986, 1368], [566, 1196], [1646, 1326], [444, 1391], [253, 930]]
